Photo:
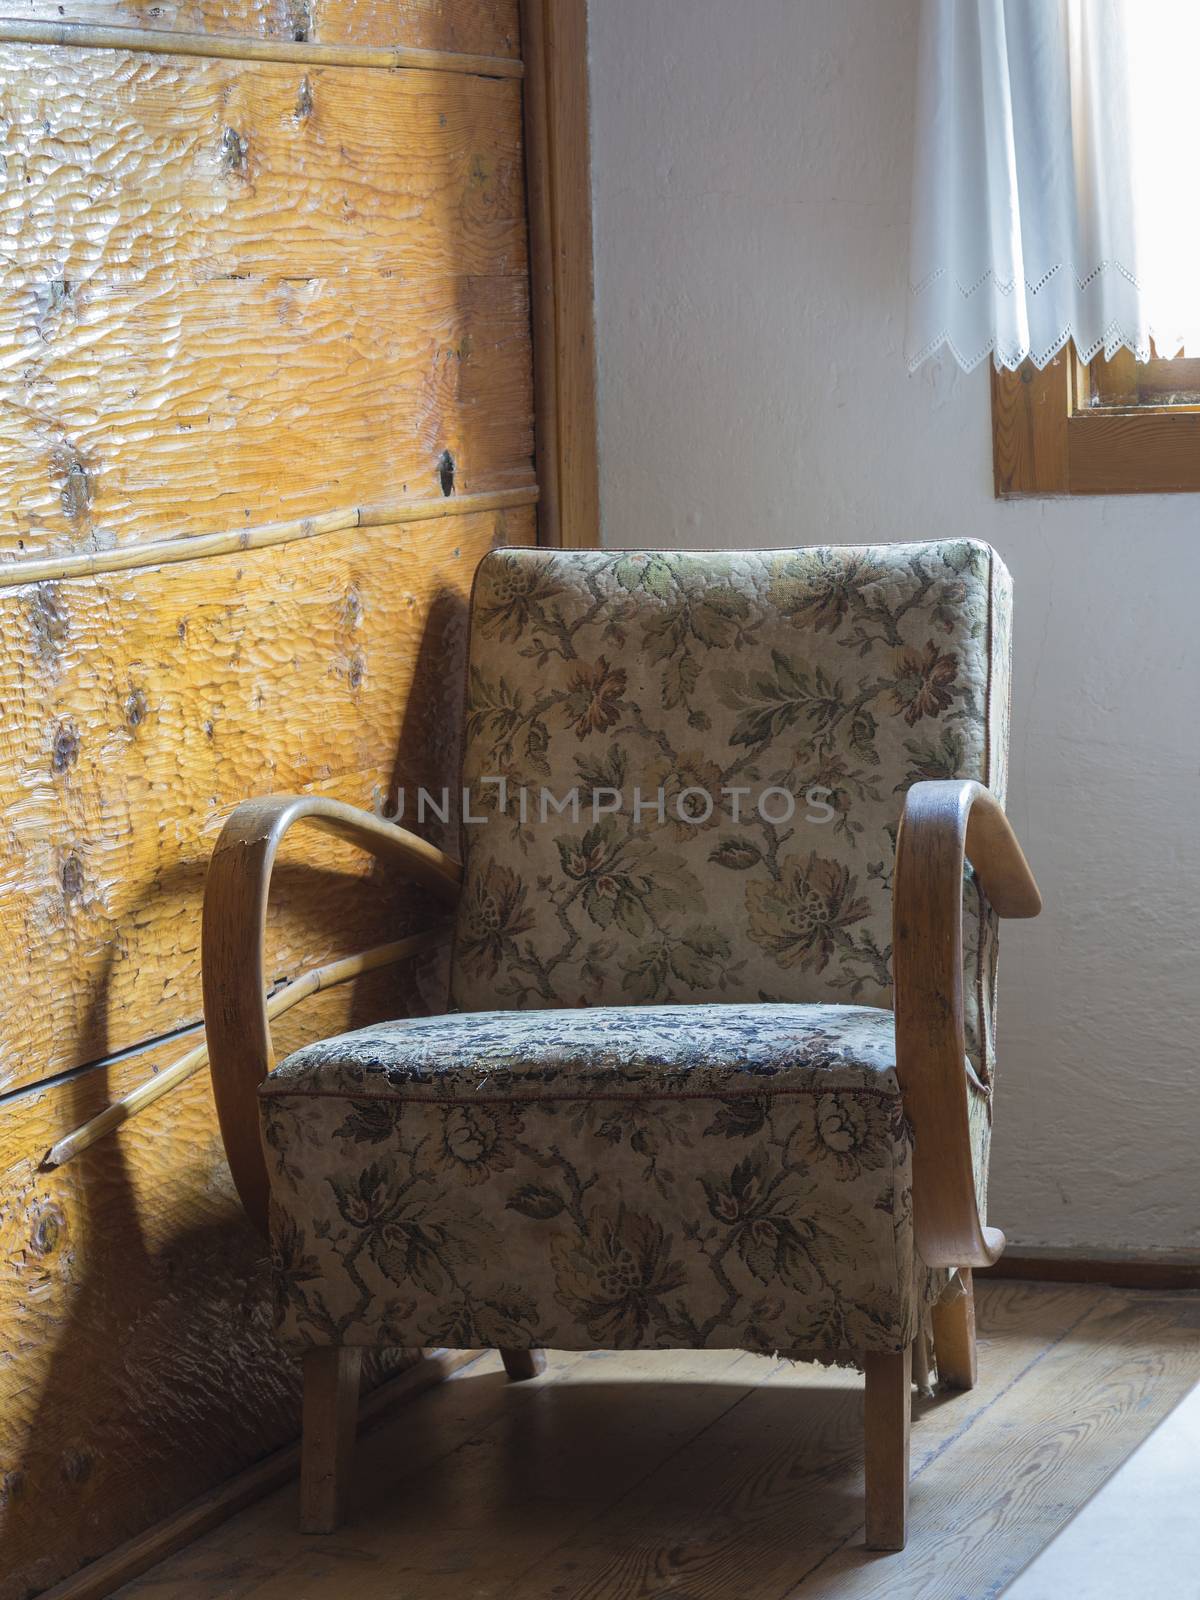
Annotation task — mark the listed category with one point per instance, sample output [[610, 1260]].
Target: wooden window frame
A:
[[1047, 439]]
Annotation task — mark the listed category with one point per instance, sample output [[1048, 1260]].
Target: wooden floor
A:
[[723, 1476]]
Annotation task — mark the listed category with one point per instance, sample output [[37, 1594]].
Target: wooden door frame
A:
[[554, 46]]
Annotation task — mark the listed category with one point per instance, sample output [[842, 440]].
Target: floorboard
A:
[[719, 1476], [1140, 1535]]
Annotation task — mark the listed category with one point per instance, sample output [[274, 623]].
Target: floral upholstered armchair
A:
[[717, 1066]]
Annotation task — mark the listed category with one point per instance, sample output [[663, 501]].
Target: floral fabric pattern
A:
[[726, 1176], [845, 674], [663, 1111]]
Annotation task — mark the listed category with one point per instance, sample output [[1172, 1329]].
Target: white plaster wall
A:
[[751, 166]]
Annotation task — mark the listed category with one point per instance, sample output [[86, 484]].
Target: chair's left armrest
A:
[[943, 825], [235, 913]]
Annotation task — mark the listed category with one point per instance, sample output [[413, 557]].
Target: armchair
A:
[[722, 809]]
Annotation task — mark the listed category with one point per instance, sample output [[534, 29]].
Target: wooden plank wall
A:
[[232, 293]]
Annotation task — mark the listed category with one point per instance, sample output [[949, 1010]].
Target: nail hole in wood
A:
[[65, 749], [234, 148], [136, 708], [72, 876]]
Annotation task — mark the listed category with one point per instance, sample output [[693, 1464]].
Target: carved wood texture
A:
[[230, 293]]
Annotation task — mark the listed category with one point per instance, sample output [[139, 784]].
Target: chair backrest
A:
[[729, 736]]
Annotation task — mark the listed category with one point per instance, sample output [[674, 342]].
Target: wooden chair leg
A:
[[888, 1410], [954, 1337], [327, 1446], [521, 1364]]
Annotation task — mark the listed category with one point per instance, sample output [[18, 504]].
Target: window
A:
[[1107, 427]]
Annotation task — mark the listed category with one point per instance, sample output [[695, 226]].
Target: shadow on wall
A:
[[140, 1357]]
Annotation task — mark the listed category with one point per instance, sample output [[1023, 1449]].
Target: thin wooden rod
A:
[[334, 972], [158, 41], [190, 548]]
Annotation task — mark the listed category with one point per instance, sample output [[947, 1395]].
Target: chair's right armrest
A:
[[945, 823], [235, 912]]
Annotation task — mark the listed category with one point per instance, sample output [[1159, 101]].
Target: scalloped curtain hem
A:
[[1011, 357], [947, 316]]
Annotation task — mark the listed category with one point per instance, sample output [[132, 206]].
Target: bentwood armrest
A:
[[235, 910], [945, 823]]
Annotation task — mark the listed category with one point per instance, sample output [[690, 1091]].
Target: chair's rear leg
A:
[[954, 1337], [888, 1409], [922, 1369], [520, 1364], [327, 1446]]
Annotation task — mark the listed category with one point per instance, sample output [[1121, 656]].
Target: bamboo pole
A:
[[334, 972], [158, 41], [190, 547]]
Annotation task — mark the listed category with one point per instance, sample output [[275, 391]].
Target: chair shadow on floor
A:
[[753, 1477], [720, 1476], [744, 1484]]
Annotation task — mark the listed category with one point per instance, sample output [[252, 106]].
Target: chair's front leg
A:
[[954, 1337], [327, 1445], [888, 1409], [521, 1364]]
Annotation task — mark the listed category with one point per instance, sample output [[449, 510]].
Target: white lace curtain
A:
[[1055, 194]]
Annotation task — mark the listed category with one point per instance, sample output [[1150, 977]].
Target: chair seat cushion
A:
[[626, 1050], [732, 1176]]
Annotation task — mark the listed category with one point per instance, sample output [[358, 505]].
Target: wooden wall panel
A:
[[232, 293], [148, 411], [141, 706], [131, 165], [471, 27], [137, 1367]]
